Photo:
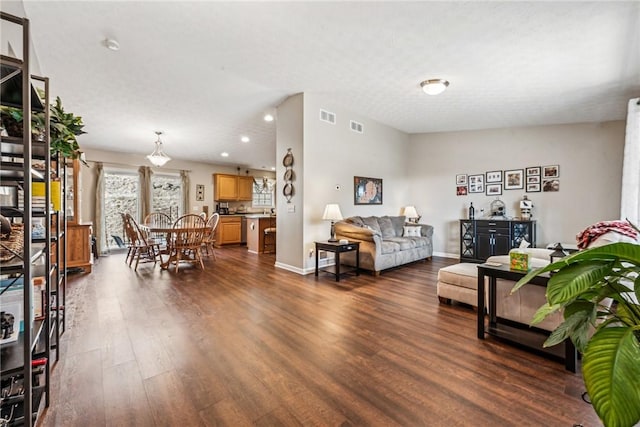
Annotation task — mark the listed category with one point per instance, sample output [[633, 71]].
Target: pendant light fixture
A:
[[158, 158]]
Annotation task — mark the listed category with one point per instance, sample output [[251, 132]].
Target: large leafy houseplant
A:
[[607, 335], [64, 127]]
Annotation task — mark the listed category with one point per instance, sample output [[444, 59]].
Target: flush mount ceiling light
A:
[[245, 139], [111, 44], [158, 158], [224, 154], [434, 86], [268, 117]]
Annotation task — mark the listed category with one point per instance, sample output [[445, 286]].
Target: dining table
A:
[[169, 231]]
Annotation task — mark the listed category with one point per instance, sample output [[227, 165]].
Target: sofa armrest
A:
[[353, 232]]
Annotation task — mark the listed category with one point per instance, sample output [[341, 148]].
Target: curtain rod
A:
[[137, 166]]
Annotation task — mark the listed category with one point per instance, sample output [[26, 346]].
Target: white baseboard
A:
[[302, 271], [446, 255]]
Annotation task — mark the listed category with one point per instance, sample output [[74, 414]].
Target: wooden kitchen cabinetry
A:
[[232, 187], [229, 230]]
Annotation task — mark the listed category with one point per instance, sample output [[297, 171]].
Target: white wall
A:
[[590, 158], [200, 173], [334, 154]]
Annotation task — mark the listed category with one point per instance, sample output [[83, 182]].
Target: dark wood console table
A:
[[515, 332]]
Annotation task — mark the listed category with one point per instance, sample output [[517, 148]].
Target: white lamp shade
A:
[[158, 158], [332, 213], [410, 212]]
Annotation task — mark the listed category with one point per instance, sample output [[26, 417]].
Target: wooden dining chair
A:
[[269, 238], [186, 240], [158, 219], [142, 249], [210, 238]]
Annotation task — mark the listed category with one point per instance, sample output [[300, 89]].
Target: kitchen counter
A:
[[256, 223], [254, 215]]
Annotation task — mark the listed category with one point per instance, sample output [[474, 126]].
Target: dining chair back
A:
[[210, 238], [160, 220], [269, 238], [142, 248], [188, 234]]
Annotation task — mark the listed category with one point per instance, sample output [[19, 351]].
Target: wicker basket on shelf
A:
[[12, 246]]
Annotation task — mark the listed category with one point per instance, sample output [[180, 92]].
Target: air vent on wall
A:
[[356, 127], [327, 116]]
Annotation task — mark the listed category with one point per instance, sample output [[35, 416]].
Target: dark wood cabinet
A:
[[482, 238]]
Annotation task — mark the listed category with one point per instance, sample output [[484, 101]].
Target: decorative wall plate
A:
[[287, 191], [288, 158], [289, 175]]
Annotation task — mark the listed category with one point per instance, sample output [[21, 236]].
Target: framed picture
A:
[[534, 179], [461, 179], [550, 185], [494, 189], [199, 192], [476, 183], [533, 187], [495, 176], [514, 179], [552, 171], [535, 170], [461, 190], [367, 191]]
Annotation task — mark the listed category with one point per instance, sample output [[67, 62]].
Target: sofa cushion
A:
[[355, 220], [386, 227], [403, 242], [398, 223], [371, 222], [389, 247], [421, 241]]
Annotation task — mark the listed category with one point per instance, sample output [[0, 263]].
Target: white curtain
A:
[[99, 220], [630, 205]]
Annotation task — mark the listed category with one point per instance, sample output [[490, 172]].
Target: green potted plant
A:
[[64, 127], [607, 335]]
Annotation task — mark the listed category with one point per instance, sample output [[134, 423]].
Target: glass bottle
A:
[[472, 211]]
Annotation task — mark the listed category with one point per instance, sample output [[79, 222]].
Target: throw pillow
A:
[[411, 231], [372, 223]]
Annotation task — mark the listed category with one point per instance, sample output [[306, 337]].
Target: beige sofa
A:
[[385, 241]]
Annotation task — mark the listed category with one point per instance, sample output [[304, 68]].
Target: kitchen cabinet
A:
[[229, 230], [480, 239], [232, 187]]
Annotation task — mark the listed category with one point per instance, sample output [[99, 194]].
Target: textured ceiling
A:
[[205, 72]]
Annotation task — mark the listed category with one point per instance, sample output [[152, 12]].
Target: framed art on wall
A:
[[461, 190], [514, 179], [367, 191], [494, 189], [199, 192], [552, 171], [533, 187], [550, 185], [461, 179], [494, 176], [535, 170], [476, 183]]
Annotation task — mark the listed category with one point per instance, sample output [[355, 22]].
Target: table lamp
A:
[[332, 213], [411, 213]]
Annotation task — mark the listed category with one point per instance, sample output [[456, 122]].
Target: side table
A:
[[337, 248]]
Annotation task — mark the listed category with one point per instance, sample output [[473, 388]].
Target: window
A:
[[166, 194], [263, 193], [121, 191]]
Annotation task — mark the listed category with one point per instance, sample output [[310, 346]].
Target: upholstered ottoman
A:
[[458, 282]]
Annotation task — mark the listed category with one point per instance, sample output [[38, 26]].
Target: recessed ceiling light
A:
[[273, 168], [245, 139], [268, 117], [434, 86], [111, 44], [224, 154]]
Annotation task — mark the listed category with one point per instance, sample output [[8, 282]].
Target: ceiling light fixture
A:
[[224, 154], [434, 86], [268, 117], [245, 139], [111, 44], [158, 158]]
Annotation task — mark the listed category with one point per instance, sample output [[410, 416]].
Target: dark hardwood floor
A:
[[244, 343]]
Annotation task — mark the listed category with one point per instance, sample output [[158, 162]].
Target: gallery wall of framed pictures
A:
[[532, 179]]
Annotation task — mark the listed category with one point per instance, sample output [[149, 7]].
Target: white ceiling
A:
[[205, 72]]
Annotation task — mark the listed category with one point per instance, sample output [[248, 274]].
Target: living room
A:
[[293, 332]]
